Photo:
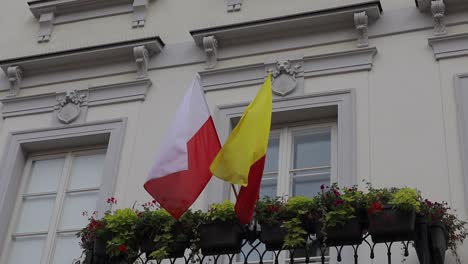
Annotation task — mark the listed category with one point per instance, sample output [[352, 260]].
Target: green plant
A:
[[406, 199], [299, 209], [223, 212], [441, 213], [270, 211], [335, 208], [121, 225]]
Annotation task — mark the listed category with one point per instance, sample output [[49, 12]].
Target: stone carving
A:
[[141, 59], [15, 75], [234, 5], [438, 11], [361, 22], [69, 106], [210, 45], [140, 10], [46, 24], [284, 77]]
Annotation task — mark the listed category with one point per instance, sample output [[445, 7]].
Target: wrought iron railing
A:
[[315, 251]]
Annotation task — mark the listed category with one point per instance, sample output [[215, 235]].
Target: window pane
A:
[[312, 150], [75, 204], [27, 250], [86, 171], [268, 186], [35, 214], [45, 175], [271, 163], [66, 249], [309, 185]]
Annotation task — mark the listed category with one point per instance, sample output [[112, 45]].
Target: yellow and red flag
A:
[[241, 160]]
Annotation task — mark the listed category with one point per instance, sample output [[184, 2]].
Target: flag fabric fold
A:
[[242, 158], [181, 170]]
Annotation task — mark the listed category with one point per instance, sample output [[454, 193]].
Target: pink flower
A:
[[339, 202], [322, 186], [111, 200]]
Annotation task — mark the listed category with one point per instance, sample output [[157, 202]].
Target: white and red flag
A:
[[182, 169]]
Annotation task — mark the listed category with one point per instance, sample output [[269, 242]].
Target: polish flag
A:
[[182, 169]]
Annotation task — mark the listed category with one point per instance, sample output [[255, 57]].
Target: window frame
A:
[[22, 143], [53, 229]]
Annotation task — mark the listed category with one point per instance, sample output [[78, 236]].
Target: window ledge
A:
[[136, 52], [54, 12], [356, 17]]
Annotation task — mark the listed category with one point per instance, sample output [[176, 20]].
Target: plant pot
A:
[[220, 238], [342, 235], [273, 235], [391, 225], [99, 248], [438, 238], [176, 249]]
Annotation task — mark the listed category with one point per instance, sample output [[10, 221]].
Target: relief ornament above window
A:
[[69, 106], [284, 77]]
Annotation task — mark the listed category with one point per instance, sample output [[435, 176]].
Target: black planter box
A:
[[99, 252], [273, 236], [342, 235], [438, 238], [220, 238], [176, 249], [391, 225]]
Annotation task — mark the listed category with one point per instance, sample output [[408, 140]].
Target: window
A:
[[55, 189], [299, 159]]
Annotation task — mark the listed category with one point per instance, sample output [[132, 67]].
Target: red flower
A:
[[338, 202], [111, 200], [322, 186], [376, 207], [123, 248], [273, 208]]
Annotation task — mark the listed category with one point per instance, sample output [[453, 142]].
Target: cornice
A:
[[310, 66], [357, 16], [95, 96], [137, 52], [450, 46]]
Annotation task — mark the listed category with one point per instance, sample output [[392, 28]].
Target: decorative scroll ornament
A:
[[361, 21], [69, 106], [210, 45], [15, 75], [284, 78]]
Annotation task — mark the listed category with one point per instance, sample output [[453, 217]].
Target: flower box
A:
[[438, 238], [99, 251], [391, 225], [176, 249], [342, 235], [220, 238], [273, 235]]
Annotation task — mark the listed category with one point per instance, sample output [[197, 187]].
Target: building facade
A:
[[364, 91]]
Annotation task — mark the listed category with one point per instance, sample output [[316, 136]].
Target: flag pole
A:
[[234, 190]]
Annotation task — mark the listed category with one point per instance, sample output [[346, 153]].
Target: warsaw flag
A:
[[181, 170]]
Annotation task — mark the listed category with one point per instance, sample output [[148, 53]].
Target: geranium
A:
[[123, 248]]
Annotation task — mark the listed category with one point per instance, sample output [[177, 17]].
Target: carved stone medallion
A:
[[69, 106], [284, 78]]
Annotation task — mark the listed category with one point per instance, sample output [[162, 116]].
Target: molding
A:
[[89, 57], [54, 12], [461, 101], [361, 21], [46, 24], [449, 46], [15, 76], [311, 66], [438, 12], [304, 23], [140, 11], [337, 104], [210, 46], [95, 96], [453, 6], [234, 5], [20, 143]]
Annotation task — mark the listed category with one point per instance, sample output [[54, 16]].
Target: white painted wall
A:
[[406, 122]]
